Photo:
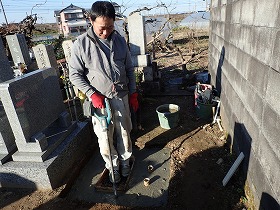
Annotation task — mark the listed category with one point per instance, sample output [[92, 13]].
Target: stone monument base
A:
[[57, 168]]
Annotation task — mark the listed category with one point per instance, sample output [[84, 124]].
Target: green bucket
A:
[[204, 111], [168, 115]]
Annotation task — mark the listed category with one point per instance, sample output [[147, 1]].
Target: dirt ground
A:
[[200, 153]]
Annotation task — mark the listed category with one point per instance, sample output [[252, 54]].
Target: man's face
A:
[[103, 26]]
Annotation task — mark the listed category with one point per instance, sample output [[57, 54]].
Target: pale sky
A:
[[16, 10]]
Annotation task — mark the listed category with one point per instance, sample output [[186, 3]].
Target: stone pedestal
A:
[[57, 168]]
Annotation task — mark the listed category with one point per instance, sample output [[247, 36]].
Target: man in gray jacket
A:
[[101, 67]]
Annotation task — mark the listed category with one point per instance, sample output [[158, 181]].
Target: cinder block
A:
[[236, 12], [267, 37], [269, 161], [227, 34], [243, 63], [254, 105], [266, 13], [247, 9], [235, 31], [258, 75], [259, 180], [232, 52], [272, 93], [275, 61], [220, 29], [271, 127], [245, 38], [252, 128], [223, 10]]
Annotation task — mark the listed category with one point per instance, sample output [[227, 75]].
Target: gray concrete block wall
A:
[[244, 54]]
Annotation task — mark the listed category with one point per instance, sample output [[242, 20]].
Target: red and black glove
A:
[[133, 101], [97, 100]]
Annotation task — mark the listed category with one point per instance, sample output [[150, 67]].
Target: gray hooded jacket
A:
[[90, 70]]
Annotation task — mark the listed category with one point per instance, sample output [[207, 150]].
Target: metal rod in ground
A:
[[112, 170], [68, 98], [74, 99]]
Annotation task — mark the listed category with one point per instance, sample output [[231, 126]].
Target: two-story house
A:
[[72, 20]]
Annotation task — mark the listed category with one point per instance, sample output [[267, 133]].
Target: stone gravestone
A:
[[48, 143], [45, 56], [18, 48], [6, 71], [137, 34], [67, 46], [7, 139], [31, 109], [137, 41]]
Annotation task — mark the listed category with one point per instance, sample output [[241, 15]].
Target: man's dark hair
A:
[[102, 9]]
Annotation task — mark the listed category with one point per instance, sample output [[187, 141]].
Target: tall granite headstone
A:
[[32, 103], [49, 143], [7, 139], [18, 48], [137, 34], [6, 71], [137, 41]]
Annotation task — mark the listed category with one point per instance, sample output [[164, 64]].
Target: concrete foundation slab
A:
[[137, 194]]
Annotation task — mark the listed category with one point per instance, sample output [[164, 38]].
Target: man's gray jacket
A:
[[90, 70]]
